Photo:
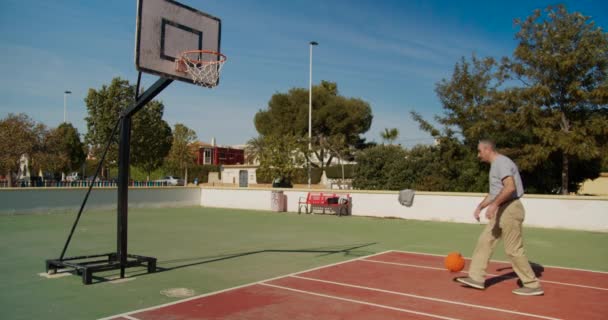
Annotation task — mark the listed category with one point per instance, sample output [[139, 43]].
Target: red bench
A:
[[319, 200]]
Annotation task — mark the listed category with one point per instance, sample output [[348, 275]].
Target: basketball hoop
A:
[[203, 66]]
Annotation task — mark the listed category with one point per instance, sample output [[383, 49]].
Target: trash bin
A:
[[277, 201], [406, 197]]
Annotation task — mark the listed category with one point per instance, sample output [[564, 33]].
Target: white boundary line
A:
[[126, 314], [360, 302], [428, 298], [130, 318], [407, 265], [502, 261], [489, 274]]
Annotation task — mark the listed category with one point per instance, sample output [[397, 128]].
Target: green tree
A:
[[477, 104], [279, 156], [389, 135], [149, 135], [381, 168], [152, 138], [63, 150], [450, 165], [332, 115], [19, 135], [468, 99], [339, 149], [562, 62], [181, 155], [104, 106]]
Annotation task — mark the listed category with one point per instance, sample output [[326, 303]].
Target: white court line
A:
[[427, 298], [489, 274], [360, 302], [502, 261], [239, 287], [130, 318]]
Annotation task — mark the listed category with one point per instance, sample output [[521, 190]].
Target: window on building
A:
[[207, 159]]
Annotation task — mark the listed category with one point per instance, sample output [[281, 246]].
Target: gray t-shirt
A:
[[501, 168]]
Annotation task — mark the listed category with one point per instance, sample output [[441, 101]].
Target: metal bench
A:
[[318, 200]]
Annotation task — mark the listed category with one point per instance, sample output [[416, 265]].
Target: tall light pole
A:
[[311, 44], [65, 108]]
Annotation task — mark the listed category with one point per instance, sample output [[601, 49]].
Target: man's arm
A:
[[486, 202]]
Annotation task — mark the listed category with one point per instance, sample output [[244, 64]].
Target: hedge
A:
[[335, 172], [201, 172], [300, 176]]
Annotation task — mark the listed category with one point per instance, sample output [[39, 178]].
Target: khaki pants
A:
[[510, 217]]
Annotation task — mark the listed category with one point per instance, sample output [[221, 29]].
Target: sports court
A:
[[395, 285], [197, 249], [247, 264]]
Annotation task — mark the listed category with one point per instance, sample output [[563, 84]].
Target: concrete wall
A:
[[48, 200], [570, 212]]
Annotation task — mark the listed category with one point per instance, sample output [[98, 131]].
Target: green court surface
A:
[[206, 249]]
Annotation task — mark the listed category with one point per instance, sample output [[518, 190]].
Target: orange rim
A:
[[193, 61]]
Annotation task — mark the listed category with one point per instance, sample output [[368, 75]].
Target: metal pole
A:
[[312, 43], [65, 108], [123, 192], [124, 147]]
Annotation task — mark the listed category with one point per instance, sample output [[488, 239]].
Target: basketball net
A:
[[203, 66]]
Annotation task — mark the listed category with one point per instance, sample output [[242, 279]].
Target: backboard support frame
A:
[[156, 51], [86, 266]]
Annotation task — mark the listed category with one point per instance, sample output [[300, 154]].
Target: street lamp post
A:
[[65, 108], [311, 44]]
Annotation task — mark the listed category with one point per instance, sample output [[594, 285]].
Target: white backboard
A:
[[165, 28]]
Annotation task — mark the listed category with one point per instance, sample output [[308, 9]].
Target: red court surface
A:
[[396, 285]]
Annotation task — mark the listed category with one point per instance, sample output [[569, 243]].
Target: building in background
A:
[[241, 175], [596, 187], [212, 154]]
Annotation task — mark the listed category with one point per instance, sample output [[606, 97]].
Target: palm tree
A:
[[389, 135], [253, 149]]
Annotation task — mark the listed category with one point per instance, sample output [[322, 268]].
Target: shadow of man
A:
[[537, 268]]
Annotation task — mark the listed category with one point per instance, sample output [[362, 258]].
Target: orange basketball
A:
[[454, 262]]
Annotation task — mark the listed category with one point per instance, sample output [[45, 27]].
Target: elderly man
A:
[[506, 215]]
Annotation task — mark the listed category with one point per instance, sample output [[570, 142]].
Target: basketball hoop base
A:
[[87, 265]]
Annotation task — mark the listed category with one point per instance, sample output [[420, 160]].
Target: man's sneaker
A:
[[525, 291], [472, 283]]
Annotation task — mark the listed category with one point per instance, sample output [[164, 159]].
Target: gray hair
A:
[[489, 143]]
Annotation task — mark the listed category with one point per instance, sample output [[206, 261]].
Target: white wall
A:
[[48, 200], [570, 212]]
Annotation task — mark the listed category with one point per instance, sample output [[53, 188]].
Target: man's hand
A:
[[477, 213], [486, 201], [491, 211]]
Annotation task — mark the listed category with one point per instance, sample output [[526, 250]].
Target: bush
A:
[[381, 168], [263, 176], [300, 176], [335, 172], [201, 172]]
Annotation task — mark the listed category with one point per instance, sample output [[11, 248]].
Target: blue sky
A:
[[389, 53]]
